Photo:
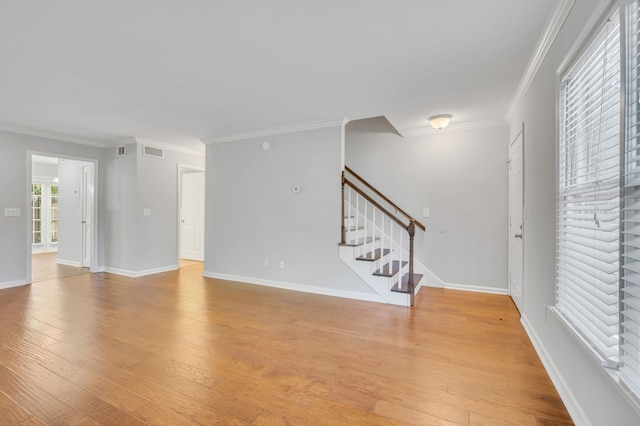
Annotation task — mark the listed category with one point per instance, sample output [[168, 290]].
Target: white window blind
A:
[[588, 204], [630, 289]]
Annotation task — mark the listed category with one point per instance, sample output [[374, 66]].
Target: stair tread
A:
[[373, 255], [354, 228], [359, 242], [403, 285], [390, 269]]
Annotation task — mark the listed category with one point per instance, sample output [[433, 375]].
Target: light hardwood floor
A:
[[44, 267], [179, 349]]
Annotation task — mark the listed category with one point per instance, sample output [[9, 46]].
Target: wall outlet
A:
[[266, 261], [146, 212], [282, 264], [425, 212]]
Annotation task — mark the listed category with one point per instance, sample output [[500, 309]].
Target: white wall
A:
[[121, 206], [462, 177], [15, 168], [138, 244], [44, 170], [252, 214], [589, 394], [157, 234]]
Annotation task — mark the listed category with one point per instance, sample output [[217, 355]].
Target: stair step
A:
[[390, 269], [355, 228], [359, 242], [403, 285], [374, 255]]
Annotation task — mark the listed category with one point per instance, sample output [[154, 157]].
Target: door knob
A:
[[518, 236]]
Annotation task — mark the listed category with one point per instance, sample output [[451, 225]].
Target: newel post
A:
[[343, 234], [412, 232]]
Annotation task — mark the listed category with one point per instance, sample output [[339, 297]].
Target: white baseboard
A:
[[298, 287], [67, 262], [477, 288], [16, 283], [136, 274], [573, 407]]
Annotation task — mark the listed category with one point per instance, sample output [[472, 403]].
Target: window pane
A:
[[588, 205]]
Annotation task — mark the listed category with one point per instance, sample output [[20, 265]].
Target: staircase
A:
[[377, 241]]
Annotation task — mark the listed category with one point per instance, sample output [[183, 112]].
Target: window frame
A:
[[588, 35]]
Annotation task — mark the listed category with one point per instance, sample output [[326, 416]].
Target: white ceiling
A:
[[179, 71]]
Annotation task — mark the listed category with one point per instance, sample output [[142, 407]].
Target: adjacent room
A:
[[282, 212]]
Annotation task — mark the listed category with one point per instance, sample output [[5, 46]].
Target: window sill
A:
[[611, 373]]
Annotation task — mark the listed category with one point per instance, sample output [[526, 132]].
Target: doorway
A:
[[61, 232], [191, 193], [516, 220]]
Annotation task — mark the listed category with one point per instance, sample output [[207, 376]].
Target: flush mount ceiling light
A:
[[440, 121]]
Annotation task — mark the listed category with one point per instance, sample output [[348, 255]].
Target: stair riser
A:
[[355, 234]]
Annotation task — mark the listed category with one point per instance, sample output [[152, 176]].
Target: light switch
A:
[[146, 212], [12, 211], [425, 212]]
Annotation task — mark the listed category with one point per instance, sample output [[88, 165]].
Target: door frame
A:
[[181, 169], [96, 205], [519, 134]]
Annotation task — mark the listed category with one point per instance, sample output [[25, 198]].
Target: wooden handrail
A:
[[372, 201], [381, 195]]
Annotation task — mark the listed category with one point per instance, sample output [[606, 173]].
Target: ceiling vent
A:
[[152, 152]]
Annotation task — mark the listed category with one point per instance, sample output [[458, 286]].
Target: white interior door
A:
[[87, 214], [192, 215], [516, 219]]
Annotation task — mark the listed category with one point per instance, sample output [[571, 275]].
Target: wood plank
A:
[[177, 348], [12, 412]]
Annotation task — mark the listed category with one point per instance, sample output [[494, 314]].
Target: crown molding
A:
[[552, 28], [50, 135], [300, 127], [500, 122]]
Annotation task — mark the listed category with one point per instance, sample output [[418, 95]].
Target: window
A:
[[53, 235], [36, 215], [598, 195], [630, 283], [44, 215]]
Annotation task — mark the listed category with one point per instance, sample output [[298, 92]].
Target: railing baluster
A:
[[365, 219], [393, 255], [343, 229], [374, 221], [412, 232], [382, 233], [357, 216], [401, 268], [350, 209]]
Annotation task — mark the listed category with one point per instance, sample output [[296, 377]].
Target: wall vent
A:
[[152, 152]]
